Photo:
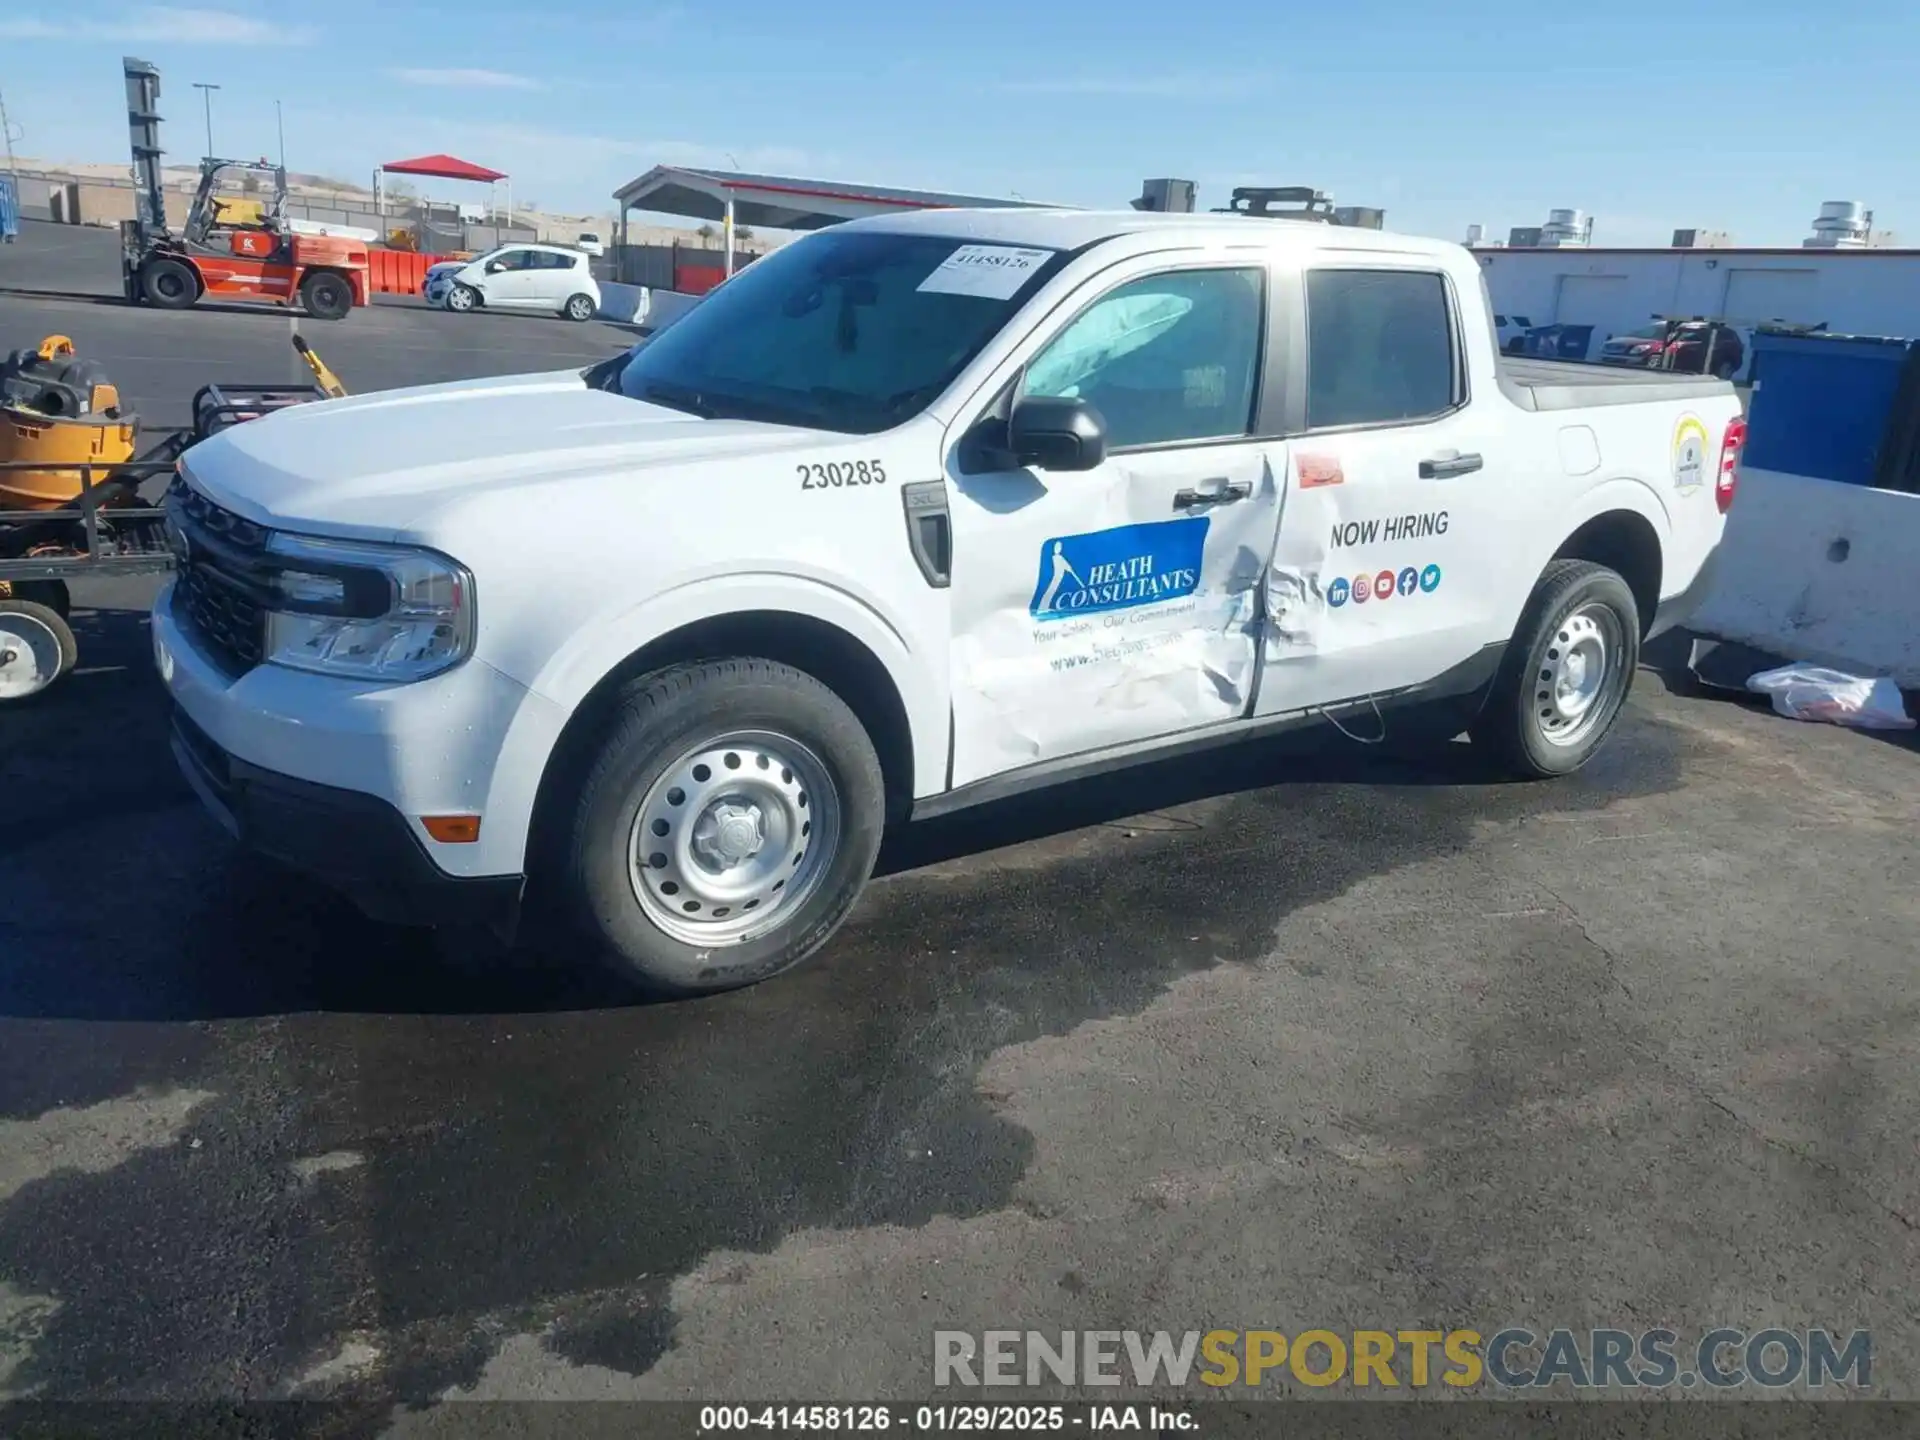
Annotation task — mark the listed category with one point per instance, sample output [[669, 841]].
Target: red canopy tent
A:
[[449, 167]]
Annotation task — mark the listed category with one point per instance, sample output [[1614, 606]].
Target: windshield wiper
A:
[[679, 397]]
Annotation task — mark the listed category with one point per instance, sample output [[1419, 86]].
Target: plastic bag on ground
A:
[[1811, 692]]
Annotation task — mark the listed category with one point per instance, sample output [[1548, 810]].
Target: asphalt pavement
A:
[[1287, 1037]]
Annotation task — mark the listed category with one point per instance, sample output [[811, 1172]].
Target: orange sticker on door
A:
[[1317, 470]]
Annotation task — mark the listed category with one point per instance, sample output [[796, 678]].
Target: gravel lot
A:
[[1279, 1039]]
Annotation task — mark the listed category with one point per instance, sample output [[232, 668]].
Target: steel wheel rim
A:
[[29, 655], [169, 286], [1576, 684], [733, 837]]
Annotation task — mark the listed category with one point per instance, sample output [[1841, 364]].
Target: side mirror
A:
[[1049, 433], [494, 267]]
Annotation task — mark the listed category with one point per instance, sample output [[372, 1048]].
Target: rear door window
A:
[[1380, 348]]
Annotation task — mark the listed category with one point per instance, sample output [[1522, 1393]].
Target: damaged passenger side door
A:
[[1113, 510]]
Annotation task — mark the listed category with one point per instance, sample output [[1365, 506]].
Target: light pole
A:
[[206, 91]]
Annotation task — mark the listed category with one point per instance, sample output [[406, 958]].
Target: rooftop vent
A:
[[1840, 225]]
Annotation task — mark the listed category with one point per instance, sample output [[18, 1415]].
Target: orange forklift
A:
[[227, 251]]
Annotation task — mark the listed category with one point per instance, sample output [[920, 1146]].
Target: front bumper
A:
[[470, 741], [354, 843]]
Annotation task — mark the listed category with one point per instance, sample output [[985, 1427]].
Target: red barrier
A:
[[398, 272], [697, 279]]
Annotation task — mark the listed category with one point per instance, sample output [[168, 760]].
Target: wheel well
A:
[[824, 651], [1626, 543]]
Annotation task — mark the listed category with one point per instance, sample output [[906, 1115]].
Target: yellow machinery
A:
[[71, 505], [58, 411]]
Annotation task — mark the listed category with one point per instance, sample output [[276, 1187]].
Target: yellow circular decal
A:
[[1689, 454]]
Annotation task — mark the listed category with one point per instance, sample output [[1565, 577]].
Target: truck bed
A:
[[1568, 385]]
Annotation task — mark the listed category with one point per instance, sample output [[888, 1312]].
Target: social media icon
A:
[[1362, 589], [1383, 585], [1430, 579], [1337, 592], [1409, 578]]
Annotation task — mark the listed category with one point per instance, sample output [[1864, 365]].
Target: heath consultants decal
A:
[[1119, 569]]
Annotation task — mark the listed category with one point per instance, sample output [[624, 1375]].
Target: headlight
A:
[[377, 612], [1639, 349]]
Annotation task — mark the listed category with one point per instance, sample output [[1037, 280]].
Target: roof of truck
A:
[[1072, 229]]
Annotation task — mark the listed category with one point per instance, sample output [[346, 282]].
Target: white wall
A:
[[1855, 292]]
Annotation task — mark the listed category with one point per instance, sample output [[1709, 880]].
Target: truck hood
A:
[[370, 466]]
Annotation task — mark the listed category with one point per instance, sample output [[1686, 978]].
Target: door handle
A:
[[1224, 493], [1443, 467]]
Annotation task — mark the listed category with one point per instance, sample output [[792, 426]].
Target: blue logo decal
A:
[[1409, 578], [1337, 592], [1119, 569], [1430, 579]]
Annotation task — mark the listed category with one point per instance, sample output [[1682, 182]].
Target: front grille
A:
[[222, 588]]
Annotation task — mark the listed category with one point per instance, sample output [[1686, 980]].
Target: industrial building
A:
[[1844, 276]]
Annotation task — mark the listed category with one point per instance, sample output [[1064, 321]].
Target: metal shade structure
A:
[[443, 167], [782, 202]]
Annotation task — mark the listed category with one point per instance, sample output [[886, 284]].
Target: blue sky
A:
[[1739, 116]]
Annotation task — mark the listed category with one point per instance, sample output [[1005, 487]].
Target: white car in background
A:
[[591, 243], [1512, 329], [552, 279]]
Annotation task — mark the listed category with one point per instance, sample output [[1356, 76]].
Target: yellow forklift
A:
[[72, 477]]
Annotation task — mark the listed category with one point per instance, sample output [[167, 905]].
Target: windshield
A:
[[1648, 332], [847, 330]]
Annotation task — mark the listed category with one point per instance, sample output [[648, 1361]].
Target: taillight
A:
[[1729, 476]]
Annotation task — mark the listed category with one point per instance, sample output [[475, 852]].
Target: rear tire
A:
[[580, 308], [36, 649], [724, 829], [326, 295], [169, 284], [1566, 675]]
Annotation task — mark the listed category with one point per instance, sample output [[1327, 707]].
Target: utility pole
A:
[[206, 91], [6, 132]]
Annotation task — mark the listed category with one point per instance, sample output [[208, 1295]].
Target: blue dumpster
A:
[[1833, 407]]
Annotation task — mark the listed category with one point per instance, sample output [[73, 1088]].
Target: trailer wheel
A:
[[50, 593], [726, 827], [326, 295], [36, 649], [169, 284]]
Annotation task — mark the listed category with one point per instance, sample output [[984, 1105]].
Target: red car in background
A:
[[1678, 345]]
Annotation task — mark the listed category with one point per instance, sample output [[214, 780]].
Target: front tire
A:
[[1566, 675], [169, 284], [326, 296], [725, 828], [463, 299]]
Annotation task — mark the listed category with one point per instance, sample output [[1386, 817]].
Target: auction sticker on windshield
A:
[[993, 272]]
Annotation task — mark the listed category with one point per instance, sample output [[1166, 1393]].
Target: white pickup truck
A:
[[913, 513]]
